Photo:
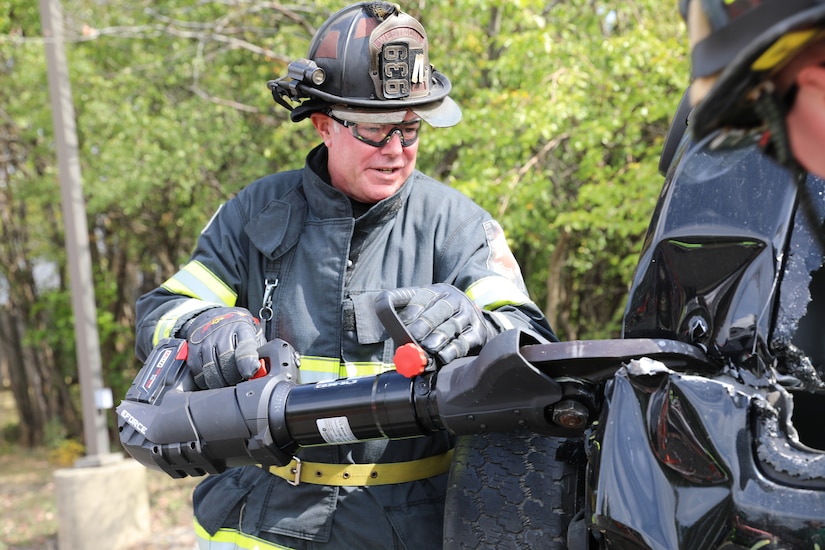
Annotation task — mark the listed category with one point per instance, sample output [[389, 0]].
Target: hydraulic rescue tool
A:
[[518, 382]]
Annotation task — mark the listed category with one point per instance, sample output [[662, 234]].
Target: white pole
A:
[[77, 238]]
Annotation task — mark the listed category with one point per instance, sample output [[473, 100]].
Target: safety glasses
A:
[[379, 135]]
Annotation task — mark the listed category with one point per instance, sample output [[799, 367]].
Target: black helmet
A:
[[368, 62], [736, 47]]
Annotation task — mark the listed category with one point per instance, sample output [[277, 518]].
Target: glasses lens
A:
[[379, 134]]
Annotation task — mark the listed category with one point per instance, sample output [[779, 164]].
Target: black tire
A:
[[509, 491]]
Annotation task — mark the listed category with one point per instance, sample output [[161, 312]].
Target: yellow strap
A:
[[358, 475]]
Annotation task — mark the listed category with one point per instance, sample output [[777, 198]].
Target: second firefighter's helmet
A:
[[736, 48], [368, 57]]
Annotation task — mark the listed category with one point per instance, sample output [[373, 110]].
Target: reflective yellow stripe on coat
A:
[[322, 369], [229, 539], [195, 281], [491, 293], [166, 324]]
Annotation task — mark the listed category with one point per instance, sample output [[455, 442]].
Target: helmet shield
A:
[[374, 58]]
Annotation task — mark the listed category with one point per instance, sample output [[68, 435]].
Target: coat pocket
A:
[[367, 324], [215, 497]]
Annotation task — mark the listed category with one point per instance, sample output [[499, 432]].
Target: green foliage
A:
[[55, 433], [66, 452], [9, 434], [565, 111]]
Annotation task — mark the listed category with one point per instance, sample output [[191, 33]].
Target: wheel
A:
[[513, 491]]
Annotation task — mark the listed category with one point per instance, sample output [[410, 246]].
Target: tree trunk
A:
[[557, 308]]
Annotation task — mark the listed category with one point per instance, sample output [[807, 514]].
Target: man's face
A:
[[806, 119], [361, 171]]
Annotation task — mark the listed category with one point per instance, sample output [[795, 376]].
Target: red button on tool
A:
[[262, 371], [183, 351], [410, 360]]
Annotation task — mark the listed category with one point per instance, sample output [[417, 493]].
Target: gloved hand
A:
[[445, 322], [223, 347]]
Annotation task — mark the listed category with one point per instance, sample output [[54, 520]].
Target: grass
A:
[[28, 506], [28, 517]]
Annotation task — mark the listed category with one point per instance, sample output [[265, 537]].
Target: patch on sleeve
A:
[[501, 259]]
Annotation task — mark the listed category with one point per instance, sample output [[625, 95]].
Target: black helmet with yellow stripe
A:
[[369, 56], [737, 47]]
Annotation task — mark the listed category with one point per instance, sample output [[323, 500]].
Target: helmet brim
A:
[[439, 114], [725, 104]]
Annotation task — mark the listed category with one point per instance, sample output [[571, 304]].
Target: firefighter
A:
[[302, 255], [758, 76]]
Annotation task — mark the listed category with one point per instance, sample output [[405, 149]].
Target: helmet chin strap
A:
[[776, 143]]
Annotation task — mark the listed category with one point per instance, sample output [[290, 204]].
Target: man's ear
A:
[[812, 75], [323, 125]]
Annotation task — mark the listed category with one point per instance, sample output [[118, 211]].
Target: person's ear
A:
[[812, 75], [323, 125]]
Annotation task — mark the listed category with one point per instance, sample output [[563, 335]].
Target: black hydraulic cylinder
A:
[[358, 409]]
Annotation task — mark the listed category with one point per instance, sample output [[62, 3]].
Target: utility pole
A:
[[91, 515], [89, 369]]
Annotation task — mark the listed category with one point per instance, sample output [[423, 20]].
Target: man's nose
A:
[[394, 143]]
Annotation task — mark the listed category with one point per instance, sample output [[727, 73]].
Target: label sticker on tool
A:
[[335, 430]]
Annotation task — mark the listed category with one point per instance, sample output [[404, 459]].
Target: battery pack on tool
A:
[[164, 368]]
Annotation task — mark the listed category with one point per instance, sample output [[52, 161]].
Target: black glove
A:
[[445, 322], [223, 347]]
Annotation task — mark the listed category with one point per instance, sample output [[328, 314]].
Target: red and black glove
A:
[[445, 322], [223, 347]]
